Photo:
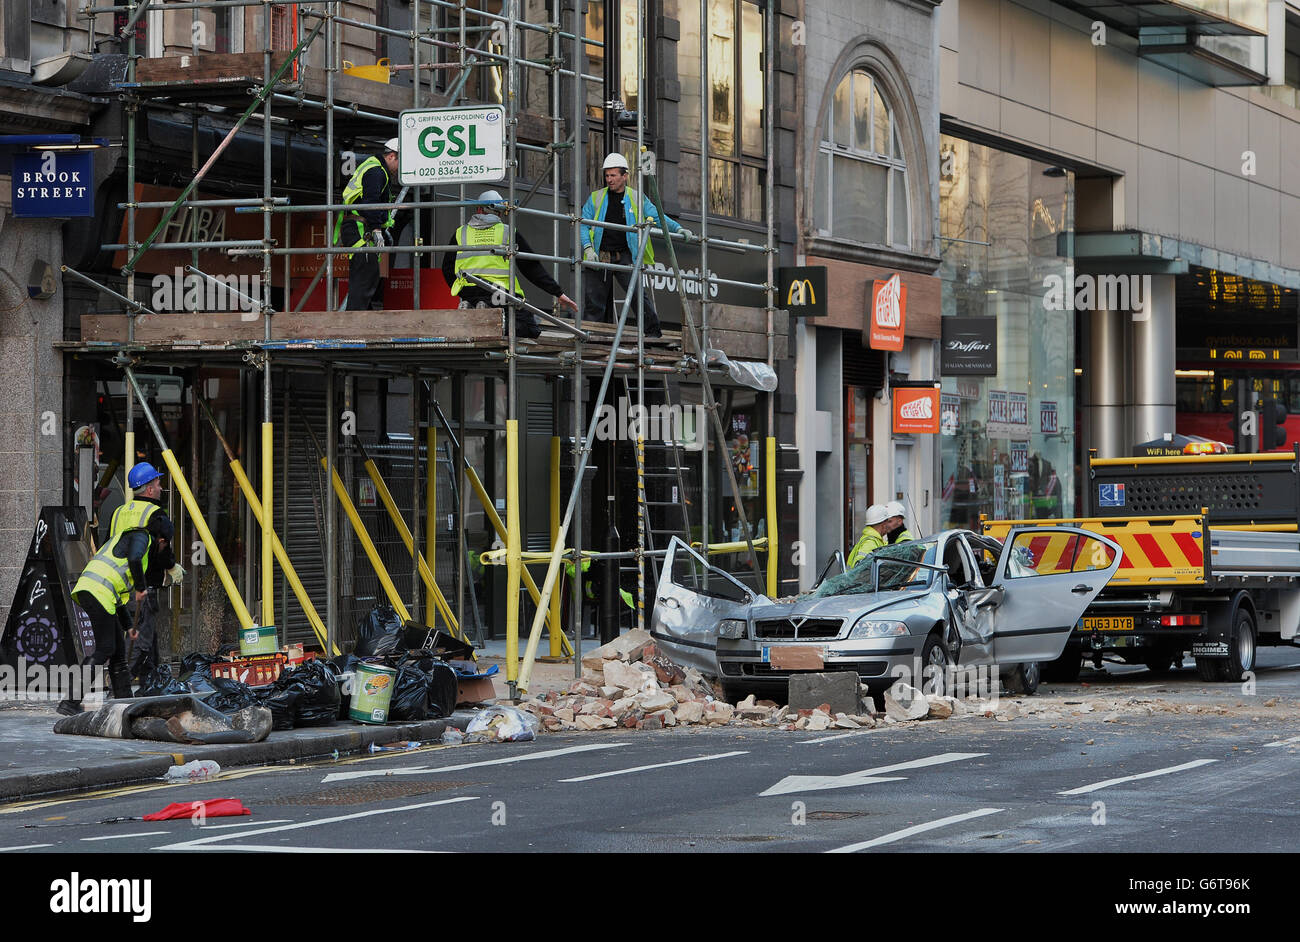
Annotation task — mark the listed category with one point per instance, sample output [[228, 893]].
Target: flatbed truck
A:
[[1211, 562]]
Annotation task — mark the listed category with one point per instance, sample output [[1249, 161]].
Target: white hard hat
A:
[[615, 160], [391, 144], [491, 197], [895, 508], [877, 513]]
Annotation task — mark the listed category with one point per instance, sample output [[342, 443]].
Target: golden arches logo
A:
[[801, 293]]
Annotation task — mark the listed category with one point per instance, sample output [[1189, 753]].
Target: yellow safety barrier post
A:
[[773, 544], [281, 555], [268, 533], [513, 548], [192, 505], [128, 452], [431, 512], [557, 636]]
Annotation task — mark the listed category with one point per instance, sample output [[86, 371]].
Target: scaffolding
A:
[[448, 40]]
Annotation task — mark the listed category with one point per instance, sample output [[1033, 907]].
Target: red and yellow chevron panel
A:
[[1157, 551]]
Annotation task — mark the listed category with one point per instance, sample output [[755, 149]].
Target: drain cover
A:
[[362, 794]]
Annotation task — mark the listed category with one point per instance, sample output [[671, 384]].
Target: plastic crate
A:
[[255, 671]]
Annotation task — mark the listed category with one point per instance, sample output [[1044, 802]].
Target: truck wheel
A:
[[1023, 679], [1065, 669], [1241, 647], [1241, 653]]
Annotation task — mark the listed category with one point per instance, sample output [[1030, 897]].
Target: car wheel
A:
[[1065, 669], [934, 666], [1023, 679]]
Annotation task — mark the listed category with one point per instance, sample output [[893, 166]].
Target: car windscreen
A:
[[897, 569]]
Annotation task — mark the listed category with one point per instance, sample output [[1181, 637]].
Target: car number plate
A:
[[1107, 623], [795, 657]]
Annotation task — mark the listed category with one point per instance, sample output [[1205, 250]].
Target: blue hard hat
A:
[[142, 474]]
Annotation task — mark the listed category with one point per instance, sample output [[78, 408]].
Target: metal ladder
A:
[[665, 482]]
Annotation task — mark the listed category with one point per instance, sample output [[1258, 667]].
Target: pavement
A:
[[35, 761]]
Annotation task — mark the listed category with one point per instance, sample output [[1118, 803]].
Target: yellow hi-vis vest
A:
[[598, 232], [352, 193], [477, 258], [870, 541], [133, 515], [108, 577]]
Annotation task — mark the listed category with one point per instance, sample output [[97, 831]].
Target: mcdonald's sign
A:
[[801, 290]]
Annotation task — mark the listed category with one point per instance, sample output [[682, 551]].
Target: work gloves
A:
[[589, 254], [686, 234], [175, 574], [381, 237]]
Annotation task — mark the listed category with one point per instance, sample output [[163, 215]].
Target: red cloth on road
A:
[[214, 808]]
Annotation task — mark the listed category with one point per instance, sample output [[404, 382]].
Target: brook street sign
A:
[[452, 145], [802, 290], [53, 184]]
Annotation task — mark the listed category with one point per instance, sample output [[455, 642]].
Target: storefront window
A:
[[1008, 443]]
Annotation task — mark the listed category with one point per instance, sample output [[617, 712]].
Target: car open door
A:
[[1047, 577], [691, 599]]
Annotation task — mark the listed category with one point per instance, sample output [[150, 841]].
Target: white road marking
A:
[[243, 824], [274, 849], [809, 783], [1133, 778], [659, 765], [25, 847], [427, 770], [1282, 742], [203, 841], [818, 742], [915, 829], [119, 837]]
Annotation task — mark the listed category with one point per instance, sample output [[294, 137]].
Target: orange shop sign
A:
[[916, 409], [888, 316]]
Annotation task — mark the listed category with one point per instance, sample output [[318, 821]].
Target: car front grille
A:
[[787, 629]]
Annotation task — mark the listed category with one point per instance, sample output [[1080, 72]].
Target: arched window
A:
[[860, 188]]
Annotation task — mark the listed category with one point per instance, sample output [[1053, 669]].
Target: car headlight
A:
[[732, 628], [874, 628]]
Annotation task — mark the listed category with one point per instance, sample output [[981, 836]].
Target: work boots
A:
[[119, 679]]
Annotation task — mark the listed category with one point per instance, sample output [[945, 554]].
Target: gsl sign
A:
[[452, 145]]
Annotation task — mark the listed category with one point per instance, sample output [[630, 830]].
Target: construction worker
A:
[[485, 231], [145, 511], [371, 182], [873, 534], [617, 203], [116, 574], [897, 532]]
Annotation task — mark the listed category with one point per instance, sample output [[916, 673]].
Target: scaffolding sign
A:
[[453, 145]]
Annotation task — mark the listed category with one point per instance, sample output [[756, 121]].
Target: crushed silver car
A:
[[912, 610]]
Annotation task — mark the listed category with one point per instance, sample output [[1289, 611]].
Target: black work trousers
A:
[[525, 322], [598, 295], [110, 641], [364, 286]]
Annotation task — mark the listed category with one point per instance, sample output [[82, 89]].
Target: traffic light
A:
[[1272, 425]]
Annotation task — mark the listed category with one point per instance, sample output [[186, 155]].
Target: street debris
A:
[[198, 811], [196, 770], [180, 719], [500, 723]]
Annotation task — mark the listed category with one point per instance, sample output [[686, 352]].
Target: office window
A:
[[736, 90], [860, 178]]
